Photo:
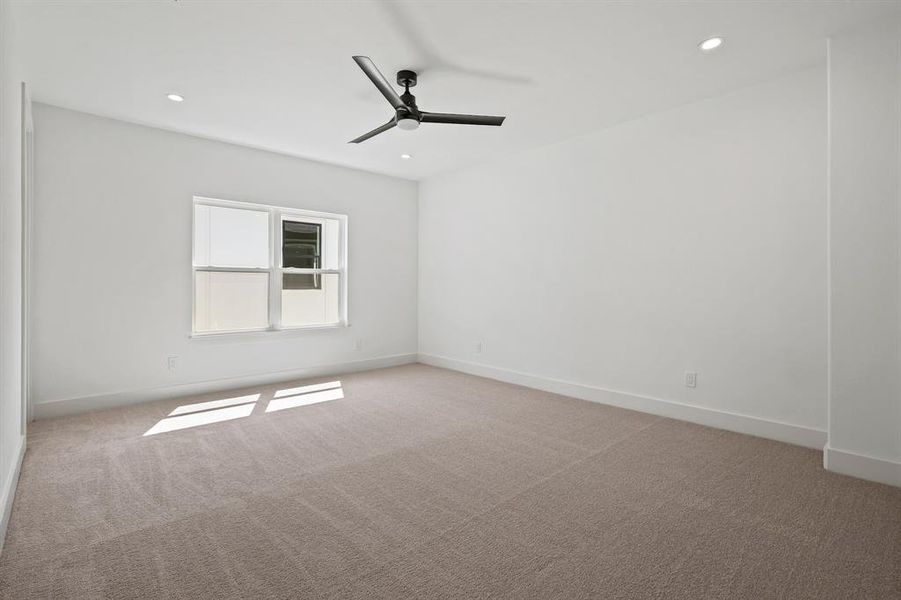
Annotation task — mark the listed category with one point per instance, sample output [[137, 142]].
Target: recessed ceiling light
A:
[[406, 156], [711, 44], [176, 97]]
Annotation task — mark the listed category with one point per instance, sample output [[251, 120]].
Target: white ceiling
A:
[[279, 75]]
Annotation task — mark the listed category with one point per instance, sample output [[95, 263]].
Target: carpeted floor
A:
[[425, 483]]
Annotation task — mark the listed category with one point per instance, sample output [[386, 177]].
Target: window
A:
[[265, 268]]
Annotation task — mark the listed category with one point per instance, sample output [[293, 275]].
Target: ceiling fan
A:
[[406, 114]]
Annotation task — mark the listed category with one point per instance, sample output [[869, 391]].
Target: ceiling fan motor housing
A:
[[406, 78], [408, 118]]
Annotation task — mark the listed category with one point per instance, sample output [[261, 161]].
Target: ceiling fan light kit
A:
[[407, 115], [407, 123]]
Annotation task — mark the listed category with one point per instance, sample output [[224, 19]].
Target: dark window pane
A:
[[301, 245], [300, 281]]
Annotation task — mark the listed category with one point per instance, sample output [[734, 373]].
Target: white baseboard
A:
[[774, 430], [9, 490], [71, 406], [862, 466]]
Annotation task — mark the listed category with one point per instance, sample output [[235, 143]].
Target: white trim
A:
[[263, 333], [71, 406], [828, 237], [267, 207], [27, 195], [275, 278], [862, 466], [311, 271], [774, 430], [232, 269], [9, 490]]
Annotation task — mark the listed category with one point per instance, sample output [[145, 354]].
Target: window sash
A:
[[197, 332], [275, 269], [270, 270]]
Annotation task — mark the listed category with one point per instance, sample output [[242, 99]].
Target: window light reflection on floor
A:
[[201, 418], [281, 403], [307, 388], [192, 408], [227, 409]]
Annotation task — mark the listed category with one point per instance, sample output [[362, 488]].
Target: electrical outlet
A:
[[358, 344], [477, 347], [691, 379], [172, 363]]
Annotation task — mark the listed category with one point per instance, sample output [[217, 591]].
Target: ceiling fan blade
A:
[[379, 80], [428, 117], [374, 132]]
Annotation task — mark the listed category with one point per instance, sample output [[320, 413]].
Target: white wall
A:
[[11, 434], [865, 248], [112, 260], [693, 239]]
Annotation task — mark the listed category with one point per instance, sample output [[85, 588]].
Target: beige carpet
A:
[[425, 483]]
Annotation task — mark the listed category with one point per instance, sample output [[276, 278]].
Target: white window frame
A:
[[275, 269]]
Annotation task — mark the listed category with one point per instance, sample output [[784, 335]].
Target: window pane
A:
[[311, 305], [311, 243], [330, 241], [225, 301], [301, 245], [301, 281], [230, 237]]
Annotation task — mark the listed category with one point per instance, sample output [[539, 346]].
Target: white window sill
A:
[[251, 334]]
